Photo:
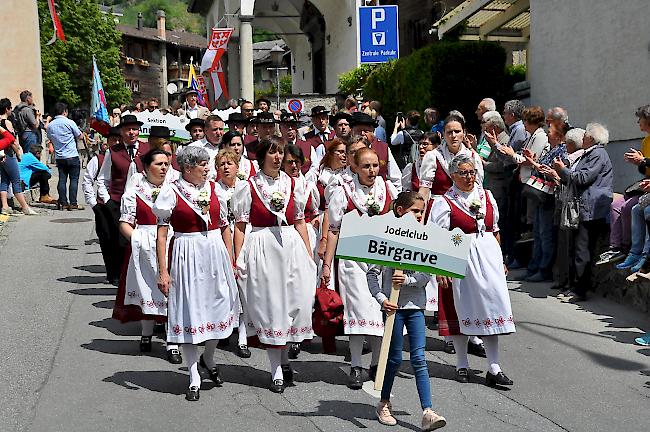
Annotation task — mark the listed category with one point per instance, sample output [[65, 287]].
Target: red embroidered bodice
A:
[[441, 181], [185, 220], [352, 207], [143, 213], [260, 216], [467, 224]]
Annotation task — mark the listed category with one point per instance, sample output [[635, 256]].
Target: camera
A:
[[400, 116]]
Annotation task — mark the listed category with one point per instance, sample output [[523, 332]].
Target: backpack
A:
[[19, 123]]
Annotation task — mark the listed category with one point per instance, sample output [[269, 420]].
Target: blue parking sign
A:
[[378, 34]]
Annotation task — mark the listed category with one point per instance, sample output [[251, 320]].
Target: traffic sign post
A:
[[378, 34], [295, 106]]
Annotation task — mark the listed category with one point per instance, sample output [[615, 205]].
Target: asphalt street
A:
[[70, 367]]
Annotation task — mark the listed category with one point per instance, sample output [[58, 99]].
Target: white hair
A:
[[559, 114], [598, 133], [490, 104], [494, 119], [458, 161], [575, 136]]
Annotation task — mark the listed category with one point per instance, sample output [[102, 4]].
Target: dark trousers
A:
[[513, 226], [103, 223], [41, 178], [586, 240], [68, 168], [566, 272], [116, 244]]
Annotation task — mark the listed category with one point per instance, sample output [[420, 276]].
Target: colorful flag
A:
[[99, 114], [58, 28], [216, 48], [218, 78], [193, 82]]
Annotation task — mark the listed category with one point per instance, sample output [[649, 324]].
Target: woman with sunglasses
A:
[[479, 304]]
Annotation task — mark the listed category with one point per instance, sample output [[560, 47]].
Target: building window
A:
[[133, 85], [519, 58]]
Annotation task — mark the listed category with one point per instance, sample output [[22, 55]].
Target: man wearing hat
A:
[[341, 122], [195, 128], [363, 124], [237, 122], [97, 202], [265, 129], [214, 131], [121, 161], [320, 132], [289, 131], [192, 108], [263, 104]]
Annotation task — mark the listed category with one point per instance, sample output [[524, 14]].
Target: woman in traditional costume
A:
[[199, 281], [479, 304], [368, 193], [276, 274]]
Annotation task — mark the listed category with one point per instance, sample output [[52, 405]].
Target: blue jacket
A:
[[593, 177], [28, 165]]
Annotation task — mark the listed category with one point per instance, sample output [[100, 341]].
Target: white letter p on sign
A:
[[378, 15]]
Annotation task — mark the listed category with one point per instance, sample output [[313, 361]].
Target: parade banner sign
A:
[[175, 124], [403, 243]]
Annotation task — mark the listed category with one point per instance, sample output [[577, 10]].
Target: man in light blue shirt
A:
[[63, 133]]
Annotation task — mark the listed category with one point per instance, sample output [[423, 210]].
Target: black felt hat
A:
[[159, 132], [340, 115], [318, 109], [265, 118], [195, 122], [128, 120], [236, 118], [360, 118], [263, 99], [288, 118], [114, 131]]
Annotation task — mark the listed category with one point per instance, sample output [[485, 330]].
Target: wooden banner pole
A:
[[388, 333]]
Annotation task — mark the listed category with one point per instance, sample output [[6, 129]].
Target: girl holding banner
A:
[[368, 193], [480, 304]]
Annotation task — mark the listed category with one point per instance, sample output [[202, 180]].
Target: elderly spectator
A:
[[540, 267], [593, 177], [481, 145], [232, 103], [559, 117], [64, 133], [496, 181], [512, 112], [34, 172], [620, 238], [433, 120], [192, 108]]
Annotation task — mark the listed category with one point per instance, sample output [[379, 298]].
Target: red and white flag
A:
[[216, 48], [58, 28], [218, 78]]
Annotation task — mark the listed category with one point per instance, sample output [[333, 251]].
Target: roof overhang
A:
[[496, 20]]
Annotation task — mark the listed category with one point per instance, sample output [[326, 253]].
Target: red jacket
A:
[[7, 140]]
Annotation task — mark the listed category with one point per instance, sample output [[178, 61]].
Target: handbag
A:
[[633, 190], [328, 312], [570, 212]]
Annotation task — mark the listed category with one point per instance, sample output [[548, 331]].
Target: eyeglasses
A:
[[249, 110], [154, 106], [468, 173], [292, 162]]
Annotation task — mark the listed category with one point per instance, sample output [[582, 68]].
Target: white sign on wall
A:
[[403, 243], [175, 124]]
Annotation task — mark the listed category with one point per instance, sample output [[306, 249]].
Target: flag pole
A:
[[388, 333]]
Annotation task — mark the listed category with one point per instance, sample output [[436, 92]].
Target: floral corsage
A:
[[241, 175], [475, 207], [277, 201], [203, 201], [154, 194], [372, 206]]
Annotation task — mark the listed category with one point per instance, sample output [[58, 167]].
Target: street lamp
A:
[[277, 53]]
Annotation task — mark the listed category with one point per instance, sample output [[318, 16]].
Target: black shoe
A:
[[277, 386], [287, 374], [462, 375], [159, 329], [294, 350], [145, 344], [449, 348], [355, 382], [243, 351], [174, 356], [372, 372], [213, 373], [498, 379], [476, 349], [192, 394], [223, 342]]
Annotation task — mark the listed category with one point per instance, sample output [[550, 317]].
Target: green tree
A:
[[67, 66], [177, 16]]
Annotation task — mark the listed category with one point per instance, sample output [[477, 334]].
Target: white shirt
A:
[[192, 113], [88, 183]]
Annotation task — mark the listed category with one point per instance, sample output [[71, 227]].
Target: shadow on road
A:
[[117, 328], [83, 280], [156, 381], [351, 412], [94, 291], [105, 304], [125, 347], [97, 268]]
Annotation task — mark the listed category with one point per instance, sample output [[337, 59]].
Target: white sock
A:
[[191, 354], [275, 358], [242, 338], [492, 353], [460, 344], [147, 327], [475, 340], [356, 348], [208, 354], [375, 345], [284, 356]]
